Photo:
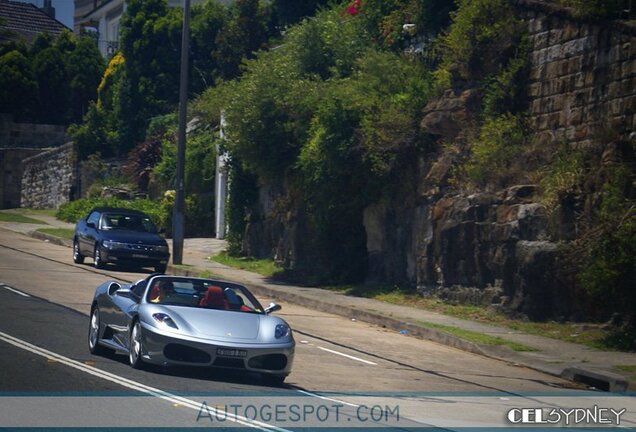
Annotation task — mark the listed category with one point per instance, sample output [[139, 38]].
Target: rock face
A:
[[492, 247]]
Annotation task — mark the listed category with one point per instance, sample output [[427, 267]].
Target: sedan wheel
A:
[[98, 263], [78, 258], [93, 334], [134, 347]]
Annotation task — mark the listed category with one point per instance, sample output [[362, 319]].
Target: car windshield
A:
[[202, 293], [129, 222]]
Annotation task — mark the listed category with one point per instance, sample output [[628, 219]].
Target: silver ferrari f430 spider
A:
[[175, 320]]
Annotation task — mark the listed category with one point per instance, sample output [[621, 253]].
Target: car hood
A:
[[132, 237], [215, 324]]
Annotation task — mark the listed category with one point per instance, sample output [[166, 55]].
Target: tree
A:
[[243, 34], [150, 40], [288, 12], [18, 86], [53, 84], [206, 24], [85, 66]]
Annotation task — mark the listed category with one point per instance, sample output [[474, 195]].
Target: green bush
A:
[[495, 153], [482, 35], [608, 267], [78, 209]]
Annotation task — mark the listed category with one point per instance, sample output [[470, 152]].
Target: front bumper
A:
[[163, 349], [138, 257]]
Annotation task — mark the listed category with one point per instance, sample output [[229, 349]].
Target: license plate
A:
[[139, 256], [228, 352]]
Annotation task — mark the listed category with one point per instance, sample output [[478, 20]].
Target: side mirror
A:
[[125, 292], [112, 288], [90, 225], [273, 307]]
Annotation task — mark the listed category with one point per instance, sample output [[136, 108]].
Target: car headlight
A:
[[162, 249], [109, 244], [165, 320], [282, 330]]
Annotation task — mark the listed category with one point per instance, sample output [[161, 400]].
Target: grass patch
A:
[[19, 218], [65, 233], [477, 337], [264, 267], [628, 368], [586, 334], [35, 212], [207, 274]]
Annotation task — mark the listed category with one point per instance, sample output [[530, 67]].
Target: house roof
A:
[[27, 20]]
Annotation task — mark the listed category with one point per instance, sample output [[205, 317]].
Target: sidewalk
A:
[[575, 362]]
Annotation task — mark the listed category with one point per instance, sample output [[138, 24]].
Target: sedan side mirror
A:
[[90, 225], [273, 307]]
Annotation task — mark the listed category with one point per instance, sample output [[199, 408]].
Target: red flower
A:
[[354, 8]]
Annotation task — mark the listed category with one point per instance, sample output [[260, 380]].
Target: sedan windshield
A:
[[129, 222], [200, 293]]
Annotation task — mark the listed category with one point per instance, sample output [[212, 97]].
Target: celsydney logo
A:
[[565, 416]]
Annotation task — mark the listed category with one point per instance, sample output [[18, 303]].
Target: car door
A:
[[88, 233], [119, 308]]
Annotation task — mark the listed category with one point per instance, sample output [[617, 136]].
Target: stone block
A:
[[534, 90], [540, 41], [616, 106], [570, 31], [536, 107], [628, 69], [575, 64], [629, 104], [540, 57], [554, 120]]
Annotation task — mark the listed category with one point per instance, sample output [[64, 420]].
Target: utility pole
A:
[[220, 189], [178, 218]]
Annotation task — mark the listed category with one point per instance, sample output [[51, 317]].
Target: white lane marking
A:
[[348, 356], [134, 385], [327, 399], [14, 290]]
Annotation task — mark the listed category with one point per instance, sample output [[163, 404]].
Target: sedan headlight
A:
[[165, 320], [162, 249], [109, 244], [282, 330]]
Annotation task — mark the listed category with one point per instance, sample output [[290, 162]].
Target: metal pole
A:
[[178, 218], [220, 190]]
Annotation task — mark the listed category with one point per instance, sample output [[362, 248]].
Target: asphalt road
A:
[[346, 373]]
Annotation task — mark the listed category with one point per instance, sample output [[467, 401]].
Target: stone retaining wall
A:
[[50, 178], [583, 77], [11, 175]]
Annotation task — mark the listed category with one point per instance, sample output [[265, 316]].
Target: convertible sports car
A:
[[175, 320]]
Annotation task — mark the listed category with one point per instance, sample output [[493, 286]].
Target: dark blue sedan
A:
[[119, 236]]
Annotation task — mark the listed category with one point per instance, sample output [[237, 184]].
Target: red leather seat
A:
[[214, 299]]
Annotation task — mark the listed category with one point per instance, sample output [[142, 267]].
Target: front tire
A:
[[135, 347], [93, 334], [78, 258], [98, 262], [161, 268]]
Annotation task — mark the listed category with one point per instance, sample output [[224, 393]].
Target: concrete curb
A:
[[599, 379], [50, 238]]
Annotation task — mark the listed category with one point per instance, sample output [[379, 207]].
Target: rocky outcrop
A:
[[493, 246]]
